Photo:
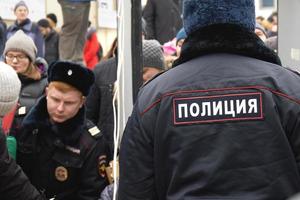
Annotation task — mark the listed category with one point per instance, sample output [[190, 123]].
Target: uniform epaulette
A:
[[93, 129]]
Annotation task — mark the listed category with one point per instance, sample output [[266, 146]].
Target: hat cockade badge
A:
[[70, 72]]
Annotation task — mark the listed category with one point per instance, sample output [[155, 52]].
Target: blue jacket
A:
[[222, 124]]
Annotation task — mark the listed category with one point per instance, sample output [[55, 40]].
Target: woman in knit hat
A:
[[13, 182], [20, 53], [31, 29]]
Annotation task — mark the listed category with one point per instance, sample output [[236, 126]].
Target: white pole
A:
[[123, 94]]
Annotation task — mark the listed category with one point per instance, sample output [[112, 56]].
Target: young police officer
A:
[[223, 123], [62, 153]]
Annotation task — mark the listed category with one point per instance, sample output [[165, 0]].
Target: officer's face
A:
[[63, 105]]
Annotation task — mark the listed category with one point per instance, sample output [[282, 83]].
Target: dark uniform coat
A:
[[99, 108], [14, 185], [65, 161], [222, 124]]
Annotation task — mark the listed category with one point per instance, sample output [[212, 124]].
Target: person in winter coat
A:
[[61, 152], [91, 48], [51, 17], [20, 53], [25, 24], [51, 41], [99, 102], [14, 185], [223, 123], [163, 19], [153, 59], [99, 108]]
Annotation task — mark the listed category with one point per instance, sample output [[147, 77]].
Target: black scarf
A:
[[25, 80], [225, 38], [23, 23]]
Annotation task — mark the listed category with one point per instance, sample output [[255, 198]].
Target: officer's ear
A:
[[83, 99]]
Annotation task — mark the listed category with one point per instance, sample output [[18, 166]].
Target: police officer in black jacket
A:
[[63, 154], [223, 123], [14, 185]]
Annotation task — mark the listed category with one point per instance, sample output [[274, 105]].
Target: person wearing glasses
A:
[[20, 53]]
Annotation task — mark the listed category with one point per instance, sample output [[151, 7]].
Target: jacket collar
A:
[[225, 38], [25, 25]]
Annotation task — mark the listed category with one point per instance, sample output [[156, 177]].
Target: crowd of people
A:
[[216, 117]]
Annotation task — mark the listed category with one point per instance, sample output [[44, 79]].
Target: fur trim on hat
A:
[[198, 14], [73, 74], [225, 38]]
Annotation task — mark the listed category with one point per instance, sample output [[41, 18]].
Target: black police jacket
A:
[[99, 108], [14, 185], [65, 161], [217, 126]]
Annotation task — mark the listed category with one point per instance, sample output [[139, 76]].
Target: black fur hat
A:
[[73, 74]]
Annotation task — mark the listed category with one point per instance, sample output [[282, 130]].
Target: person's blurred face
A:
[[149, 72], [21, 13], [260, 34], [44, 31], [178, 47], [17, 60], [52, 23], [62, 106]]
